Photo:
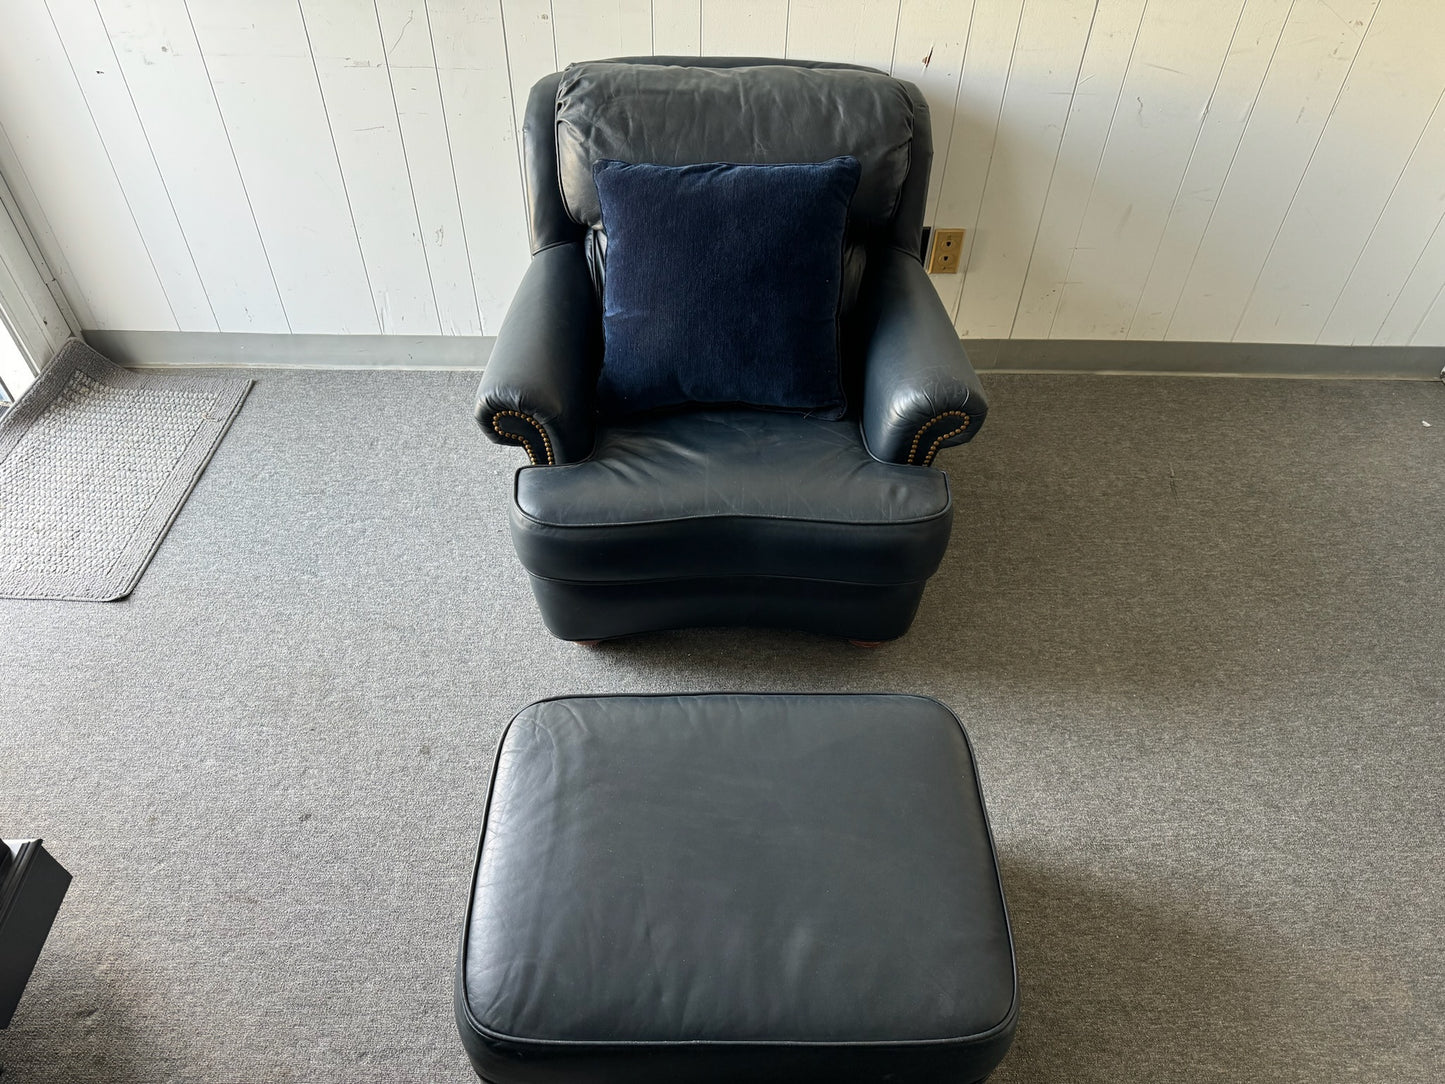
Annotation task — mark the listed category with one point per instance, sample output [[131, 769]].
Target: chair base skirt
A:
[[602, 611]]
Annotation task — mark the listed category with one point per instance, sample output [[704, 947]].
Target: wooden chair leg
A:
[[867, 643]]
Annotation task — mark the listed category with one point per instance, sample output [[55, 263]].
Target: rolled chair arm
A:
[[920, 393], [538, 386]]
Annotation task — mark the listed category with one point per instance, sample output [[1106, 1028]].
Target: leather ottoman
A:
[[726, 887]]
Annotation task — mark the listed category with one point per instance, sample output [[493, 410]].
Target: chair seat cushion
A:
[[731, 493], [734, 887]]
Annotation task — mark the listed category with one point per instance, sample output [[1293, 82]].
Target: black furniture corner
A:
[[730, 517], [780, 889], [32, 884]]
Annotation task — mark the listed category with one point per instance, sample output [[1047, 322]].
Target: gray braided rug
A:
[[95, 462]]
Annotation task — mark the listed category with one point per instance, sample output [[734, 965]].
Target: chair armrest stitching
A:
[[928, 457], [518, 439], [937, 444]]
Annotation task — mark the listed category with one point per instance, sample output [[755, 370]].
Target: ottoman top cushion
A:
[[736, 869]]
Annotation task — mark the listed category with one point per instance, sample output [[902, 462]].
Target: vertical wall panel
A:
[[411, 67], [986, 66], [265, 82], [1050, 46], [166, 78], [1309, 67], [855, 31], [1368, 138], [531, 49], [531, 55], [744, 27], [1176, 64], [476, 93], [588, 30], [1397, 242], [1407, 313], [94, 66], [1245, 65], [1091, 112], [928, 51], [677, 27], [1431, 331], [366, 128], [92, 234], [634, 27]]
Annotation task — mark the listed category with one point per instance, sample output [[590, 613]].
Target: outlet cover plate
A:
[[947, 252]]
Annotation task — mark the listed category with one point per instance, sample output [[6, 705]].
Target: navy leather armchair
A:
[[730, 517]]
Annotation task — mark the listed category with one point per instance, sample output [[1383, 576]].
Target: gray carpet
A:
[[95, 462], [1195, 627]]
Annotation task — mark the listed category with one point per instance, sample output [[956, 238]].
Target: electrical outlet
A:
[[947, 249]]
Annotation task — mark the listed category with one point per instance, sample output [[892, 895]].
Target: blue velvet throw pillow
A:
[[723, 285]]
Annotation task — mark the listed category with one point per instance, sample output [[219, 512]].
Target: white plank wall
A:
[[365, 127], [476, 93], [677, 27], [1092, 108], [1172, 70], [1047, 54], [972, 125], [264, 75], [160, 67], [1231, 105], [1211, 170], [421, 116], [85, 221]]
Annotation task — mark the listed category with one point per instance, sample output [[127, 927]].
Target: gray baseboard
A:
[[209, 348], [161, 348], [1110, 356]]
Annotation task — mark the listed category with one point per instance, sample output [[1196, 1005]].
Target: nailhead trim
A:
[[937, 444], [517, 438]]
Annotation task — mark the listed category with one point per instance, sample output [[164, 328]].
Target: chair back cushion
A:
[[766, 113], [715, 109]]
